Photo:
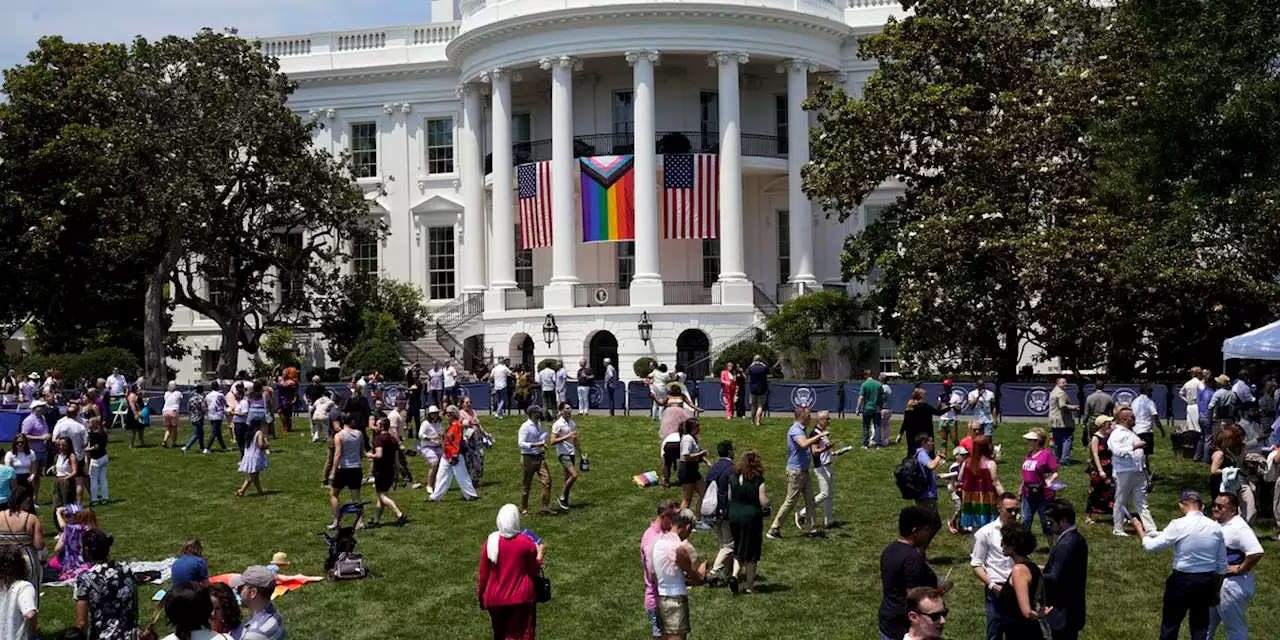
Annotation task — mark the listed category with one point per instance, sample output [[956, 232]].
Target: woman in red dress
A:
[[509, 562]]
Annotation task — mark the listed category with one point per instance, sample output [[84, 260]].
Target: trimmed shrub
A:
[[644, 366], [377, 349], [742, 352], [91, 365], [549, 362]]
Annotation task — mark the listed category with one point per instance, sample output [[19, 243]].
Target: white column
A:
[[471, 173], [502, 265], [801, 216], [564, 237], [734, 287], [646, 286]]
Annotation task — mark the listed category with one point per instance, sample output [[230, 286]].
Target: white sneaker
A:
[[1119, 534], [800, 519], [702, 526], [184, 449], [206, 452]]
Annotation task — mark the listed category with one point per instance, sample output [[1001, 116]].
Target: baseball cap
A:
[[1101, 420], [255, 576], [960, 451], [1191, 495]]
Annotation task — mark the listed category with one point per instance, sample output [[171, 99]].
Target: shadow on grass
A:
[[771, 587]]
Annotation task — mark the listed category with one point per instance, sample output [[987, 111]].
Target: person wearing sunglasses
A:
[[927, 612], [1243, 554], [255, 587], [989, 561]]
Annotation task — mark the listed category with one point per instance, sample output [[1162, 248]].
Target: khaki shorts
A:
[[673, 615], [568, 462]]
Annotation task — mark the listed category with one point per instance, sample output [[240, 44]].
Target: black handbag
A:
[[542, 588]]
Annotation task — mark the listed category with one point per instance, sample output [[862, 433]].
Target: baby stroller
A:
[[343, 562]]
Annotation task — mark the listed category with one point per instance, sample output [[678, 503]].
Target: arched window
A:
[[691, 351], [522, 351], [603, 345]]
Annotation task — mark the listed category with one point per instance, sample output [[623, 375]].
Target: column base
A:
[[495, 299], [738, 292], [474, 288], [558, 295], [647, 293]]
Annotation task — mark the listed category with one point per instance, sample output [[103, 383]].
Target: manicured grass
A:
[[424, 574]]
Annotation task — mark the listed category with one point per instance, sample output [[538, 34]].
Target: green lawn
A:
[[424, 574]]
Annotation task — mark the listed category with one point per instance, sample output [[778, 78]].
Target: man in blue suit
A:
[[1066, 572]]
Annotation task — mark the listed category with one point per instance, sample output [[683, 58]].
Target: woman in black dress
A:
[[740, 378], [1102, 485], [1019, 600], [748, 502]]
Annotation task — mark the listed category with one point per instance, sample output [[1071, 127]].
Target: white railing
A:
[[477, 13], [354, 41], [867, 4]]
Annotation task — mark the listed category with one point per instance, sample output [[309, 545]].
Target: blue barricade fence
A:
[[1021, 400], [1125, 392], [784, 397], [637, 396], [11, 422], [710, 396]]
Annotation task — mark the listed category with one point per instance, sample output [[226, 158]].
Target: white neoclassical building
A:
[[438, 117]]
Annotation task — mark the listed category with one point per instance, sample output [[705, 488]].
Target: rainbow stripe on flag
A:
[[608, 198]]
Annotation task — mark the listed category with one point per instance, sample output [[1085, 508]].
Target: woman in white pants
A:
[[320, 418], [1128, 464], [454, 464], [823, 456], [96, 451]]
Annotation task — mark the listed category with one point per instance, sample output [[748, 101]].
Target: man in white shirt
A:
[[952, 400], [1243, 554], [927, 613], [1145, 416], [564, 434], [562, 383], [1199, 566], [499, 374], [27, 388], [1244, 392], [547, 380], [319, 417], [990, 563], [450, 383], [116, 383], [1129, 466], [1189, 392], [610, 380], [533, 445], [72, 428], [983, 401]]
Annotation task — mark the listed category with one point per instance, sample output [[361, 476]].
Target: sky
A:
[[24, 22]]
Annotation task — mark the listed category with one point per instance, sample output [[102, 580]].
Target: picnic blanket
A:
[[163, 569], [284, 584], [646, 479]]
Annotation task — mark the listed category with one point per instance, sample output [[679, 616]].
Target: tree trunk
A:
[[229, 350], [153, 328]]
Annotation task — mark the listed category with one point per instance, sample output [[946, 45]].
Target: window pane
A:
[[364, 259], [626, 264], [710, 262], [623, 113], [709, 108], [440, 145], [780, 115], [440, 249], [521, 128], [364, 149], [524, 265], [784, 247]]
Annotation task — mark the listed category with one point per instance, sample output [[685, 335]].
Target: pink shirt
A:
[[650, 587], [1036, 468]]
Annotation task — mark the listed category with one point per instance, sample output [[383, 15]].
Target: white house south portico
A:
[[532, 81]]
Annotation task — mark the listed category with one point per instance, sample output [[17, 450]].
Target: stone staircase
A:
[[440, 342], [424, 351]]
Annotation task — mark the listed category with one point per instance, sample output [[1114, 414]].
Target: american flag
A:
[[690, 195], [533, 188]]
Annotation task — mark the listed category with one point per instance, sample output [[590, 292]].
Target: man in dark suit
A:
[[1066, 572]]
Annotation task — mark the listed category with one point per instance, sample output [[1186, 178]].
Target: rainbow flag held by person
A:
[[608, 198]]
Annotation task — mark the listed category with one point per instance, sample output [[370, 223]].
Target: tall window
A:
[[521, 128], [710, 262], [217, 274], [364, 259], [440, 145], [440, 247], [888, 356], [624, 115], [626, 264], [780, 118], [524, 265], [709, 116], [291, 279], [364, 149], [784, 247]]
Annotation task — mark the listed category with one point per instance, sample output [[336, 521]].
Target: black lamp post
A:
[[645, 327], [550, 330]]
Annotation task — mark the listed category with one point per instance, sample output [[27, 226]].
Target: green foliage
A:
[[555, 364], [377, 347], [797, 331], [278, 348], [91, 365], [644, 366], [741, 353], [341, 307]]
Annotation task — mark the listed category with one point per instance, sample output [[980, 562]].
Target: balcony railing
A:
[[363, 40], [601, 294], [515, 299], [686, 293], [613, 144]]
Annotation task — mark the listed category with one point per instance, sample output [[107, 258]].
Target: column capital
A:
[[569, 62], [798, 65], [837, 78], [724, 57], [388, 108], [465, 89], [489, 76], [651, 55]]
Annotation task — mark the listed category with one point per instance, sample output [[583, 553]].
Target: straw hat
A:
[[280, 559]]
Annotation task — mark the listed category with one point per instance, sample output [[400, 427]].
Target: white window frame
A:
[[452, 270], [377, 149], [784, 245], [356, 259], [427, 147]]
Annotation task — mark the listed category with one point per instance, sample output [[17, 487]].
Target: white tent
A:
[[1262, 343]]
